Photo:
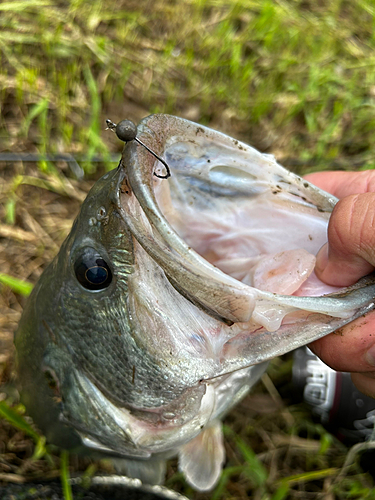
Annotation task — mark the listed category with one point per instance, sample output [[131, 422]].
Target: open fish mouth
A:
[[236, 234], [169, 293]]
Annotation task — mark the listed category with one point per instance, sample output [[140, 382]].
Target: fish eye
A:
[[92, 271]]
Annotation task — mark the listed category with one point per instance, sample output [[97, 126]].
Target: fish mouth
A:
[[118, 431], [227, 221]]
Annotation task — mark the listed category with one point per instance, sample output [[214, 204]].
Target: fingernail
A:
[[322, 259], [370, 356]]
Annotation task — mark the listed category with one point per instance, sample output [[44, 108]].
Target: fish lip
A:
[[92, 441], [126, 435], [118, 440]]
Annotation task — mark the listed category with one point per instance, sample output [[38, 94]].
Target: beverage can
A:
[[333, 398]]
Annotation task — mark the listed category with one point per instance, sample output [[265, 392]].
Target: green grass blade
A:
[[21, 6], [64, 473], [40, 448], [281, 492], [35, 111], [17, 421], [20, 423], [17, 285], [255, 470], [10, 211], [310, 476], [87, 475]]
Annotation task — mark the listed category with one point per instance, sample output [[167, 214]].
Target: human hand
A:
[[349, 255]]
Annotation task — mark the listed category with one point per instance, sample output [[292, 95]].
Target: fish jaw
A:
[[133, 433], [153, 432], [185, 224]]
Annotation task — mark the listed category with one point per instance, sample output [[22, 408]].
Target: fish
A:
[[169, 297]]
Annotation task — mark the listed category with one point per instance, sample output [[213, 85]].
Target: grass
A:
[[67, 489], [14, 417], [21, 287], [293, 78]]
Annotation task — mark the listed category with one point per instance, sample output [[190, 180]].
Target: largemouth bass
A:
[[169, 296]]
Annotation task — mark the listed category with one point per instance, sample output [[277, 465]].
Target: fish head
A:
[[169, 294], [96, 364]]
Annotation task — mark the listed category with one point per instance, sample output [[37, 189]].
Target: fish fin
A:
[[149, 472], [201, 459]]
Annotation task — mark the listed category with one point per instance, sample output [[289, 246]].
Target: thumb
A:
[[350, 252]]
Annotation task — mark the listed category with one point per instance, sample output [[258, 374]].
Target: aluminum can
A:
[[333, 398]]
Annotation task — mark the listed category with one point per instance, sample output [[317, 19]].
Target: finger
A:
[[351, 348], [351, 241], [365, 382], [349, 256], [342, 184]]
